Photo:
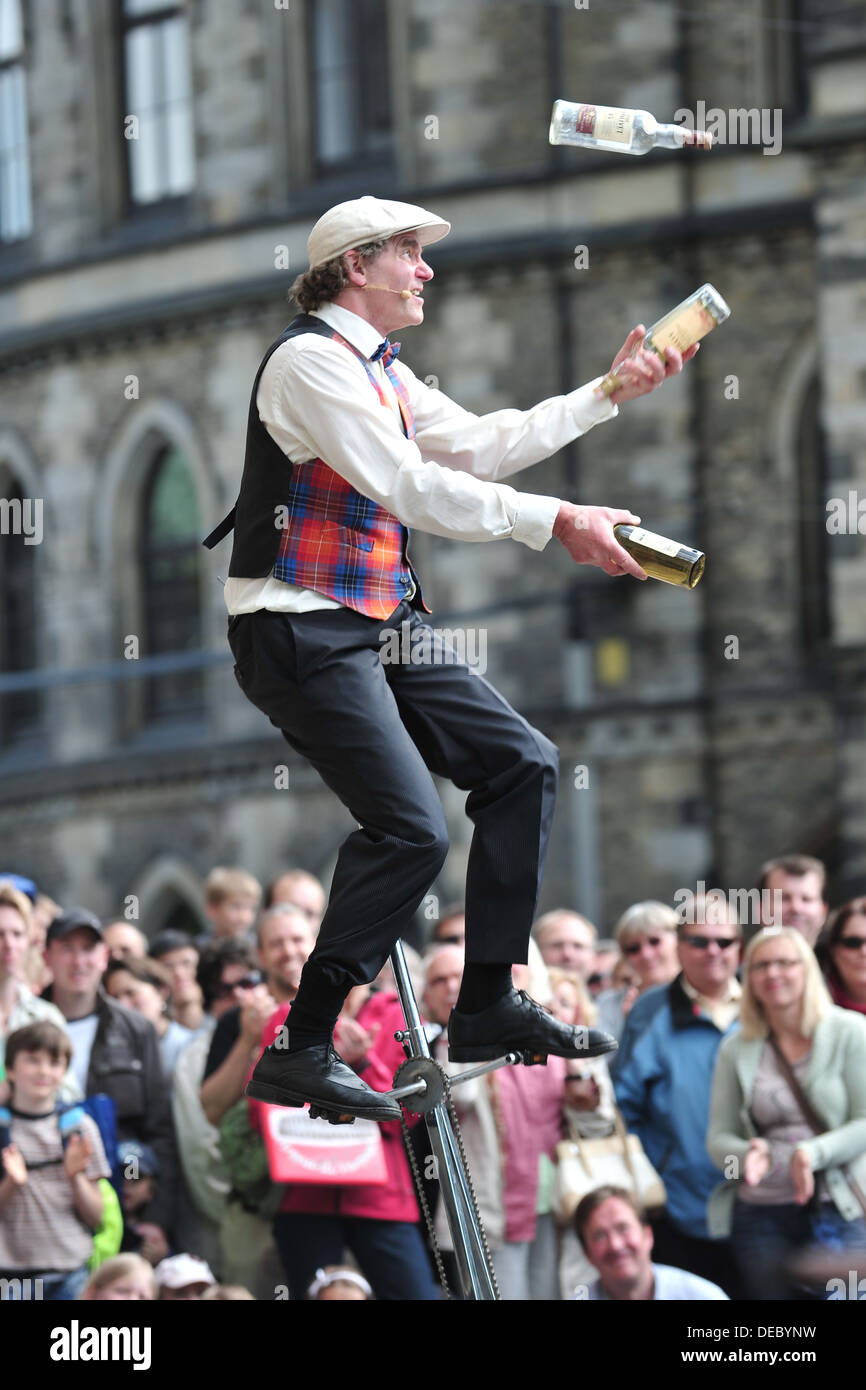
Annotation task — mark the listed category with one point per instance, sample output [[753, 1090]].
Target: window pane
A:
[[335, 93], [175, 51], [139, 69], [11, 32], [144, 171], [137, 7], [350, 63], [375, 85], [161, 160], [174, 511], [15, 213], [177, 132]]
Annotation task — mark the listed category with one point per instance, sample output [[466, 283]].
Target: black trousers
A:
[[375, 729]]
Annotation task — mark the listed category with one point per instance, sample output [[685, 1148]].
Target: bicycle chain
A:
[[422, 1198], [458, 1134], [424, 1205]]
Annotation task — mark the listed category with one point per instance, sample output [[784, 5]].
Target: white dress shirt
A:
[[316, 401], [670, 1285]]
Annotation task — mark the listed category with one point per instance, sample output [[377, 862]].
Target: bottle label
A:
[[605, 123], [654, 542], [682, 327]]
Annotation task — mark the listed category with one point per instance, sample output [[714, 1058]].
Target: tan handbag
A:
[[618, 1161]]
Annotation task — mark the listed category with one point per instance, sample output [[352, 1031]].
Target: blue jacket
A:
[[638, 1018], [663, 1091]]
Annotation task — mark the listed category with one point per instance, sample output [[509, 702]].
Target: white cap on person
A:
[[177, 1271], [365, 219]]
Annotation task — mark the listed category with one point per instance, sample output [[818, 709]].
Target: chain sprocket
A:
[[427, 1070]]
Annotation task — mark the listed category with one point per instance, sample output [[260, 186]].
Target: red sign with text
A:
[[303, 1150]]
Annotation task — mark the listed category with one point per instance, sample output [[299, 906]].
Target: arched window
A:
[[172, 912], [169, 561], [19, 711], [168, 894]]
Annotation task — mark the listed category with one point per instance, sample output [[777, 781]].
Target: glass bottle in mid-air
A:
[[619, 130]]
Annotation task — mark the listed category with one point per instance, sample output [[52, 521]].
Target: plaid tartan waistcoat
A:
[[314, 529]]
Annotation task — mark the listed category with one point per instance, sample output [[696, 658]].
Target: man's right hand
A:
[[587, 534], [256, 1009]]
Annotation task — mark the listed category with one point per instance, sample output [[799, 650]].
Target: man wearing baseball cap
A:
[[346, 451], [115, 1051], [182, 1277]]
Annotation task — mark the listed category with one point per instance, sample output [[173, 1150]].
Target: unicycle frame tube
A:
[[474, 1275]]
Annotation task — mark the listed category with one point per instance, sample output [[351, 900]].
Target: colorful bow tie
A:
[[387, 351]]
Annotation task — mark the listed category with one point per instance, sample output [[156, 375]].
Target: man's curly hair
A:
[[324, 282]]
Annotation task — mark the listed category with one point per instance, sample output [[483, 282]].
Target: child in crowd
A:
[[231, 901], [140, 1173], [125, 1277], [50, 1202], [183, 1277], [339, 1282]]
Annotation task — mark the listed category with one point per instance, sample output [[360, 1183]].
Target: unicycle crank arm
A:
[[417, 1088], [511, 1059]]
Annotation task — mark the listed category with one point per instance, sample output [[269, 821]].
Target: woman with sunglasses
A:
[[788, 1116], [646, 934], [841, 951]]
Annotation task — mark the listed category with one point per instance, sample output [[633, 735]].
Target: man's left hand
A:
[[641, 370]]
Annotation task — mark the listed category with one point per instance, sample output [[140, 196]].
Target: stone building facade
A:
[[174, 160]]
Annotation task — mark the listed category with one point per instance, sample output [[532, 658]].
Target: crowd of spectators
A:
[[133, 1166]]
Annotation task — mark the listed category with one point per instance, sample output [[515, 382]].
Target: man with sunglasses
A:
[[663, 1088], [284, 941]]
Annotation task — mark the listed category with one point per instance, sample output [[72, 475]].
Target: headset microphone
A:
[[404, 294]]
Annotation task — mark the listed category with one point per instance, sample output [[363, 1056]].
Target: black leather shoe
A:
[[516, 1023], [318, 1075]]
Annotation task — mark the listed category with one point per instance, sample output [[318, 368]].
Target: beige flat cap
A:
[[368, 219]]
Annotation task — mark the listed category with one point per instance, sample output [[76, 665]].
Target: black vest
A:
[[265, 480]]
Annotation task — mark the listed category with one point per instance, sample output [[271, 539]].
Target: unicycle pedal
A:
[[533, 1059], [334, 1117]]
